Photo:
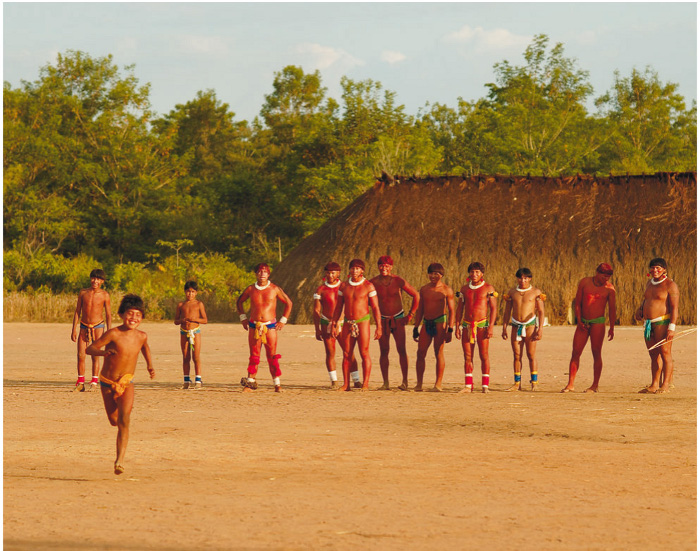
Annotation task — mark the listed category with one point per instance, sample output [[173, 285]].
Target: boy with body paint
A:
[[525, 314], [88, 315], [189, 315], [122, 346]]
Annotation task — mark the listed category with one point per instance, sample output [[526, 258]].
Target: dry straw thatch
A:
[[561, 228]]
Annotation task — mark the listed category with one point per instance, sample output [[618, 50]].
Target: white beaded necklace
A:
[[660, 281], [523, 290], [262, 288], [477, 286], [351, 282], [332, 286]]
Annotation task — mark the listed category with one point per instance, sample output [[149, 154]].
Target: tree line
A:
[[90, 170]]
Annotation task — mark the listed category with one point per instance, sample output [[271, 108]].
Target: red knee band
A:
[[274, 362], [253, 362]]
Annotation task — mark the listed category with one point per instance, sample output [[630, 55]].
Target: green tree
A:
[[651, 128], [79, 140]]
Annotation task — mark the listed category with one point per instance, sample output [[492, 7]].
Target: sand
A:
[[315, 469]]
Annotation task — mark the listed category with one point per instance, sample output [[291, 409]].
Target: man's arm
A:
[[415, 296], [146, 351], [578, 304], [539, 311], [287, 308], [239, 306], [318, 309], [507, 314], [612, 311], [418, 319], [458, 316], [374, 305], [493, 312], [674, 296], [450, 314], [339, 304]]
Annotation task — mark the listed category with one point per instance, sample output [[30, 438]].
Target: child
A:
[[189, 316], [88, 313], [122, 346]]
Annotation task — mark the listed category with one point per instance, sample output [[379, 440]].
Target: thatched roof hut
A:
[[561, 228]]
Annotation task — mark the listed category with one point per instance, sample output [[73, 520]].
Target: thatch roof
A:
[[561, 228]]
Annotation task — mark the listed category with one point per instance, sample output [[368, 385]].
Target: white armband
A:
[[373, 293], [671, 326], [283, 319], [243, 317], [317, 296]]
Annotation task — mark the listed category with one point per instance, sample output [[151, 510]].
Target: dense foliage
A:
[[91, 173]]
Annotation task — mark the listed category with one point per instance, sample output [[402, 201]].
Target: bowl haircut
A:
[[131, 302]]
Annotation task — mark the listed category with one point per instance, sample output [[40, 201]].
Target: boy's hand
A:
[[110, 352], [151, 372], [504, 334]]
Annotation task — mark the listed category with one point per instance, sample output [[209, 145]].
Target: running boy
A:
[[262, 326], [88, 314], [189, 316], [436, 309], [477, 314], [525, 314], [121, 351], [325, 299]]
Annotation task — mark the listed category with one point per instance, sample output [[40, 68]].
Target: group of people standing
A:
[[342, 313]]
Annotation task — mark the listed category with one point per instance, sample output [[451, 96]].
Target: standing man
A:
[[394, 319], [477, 314], [525, 314], [88, 315], [436, 309], [659, 310], [325, 299], [356, 296], [593, 295], [262, 326]]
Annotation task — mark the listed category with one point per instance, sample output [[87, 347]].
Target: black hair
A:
[[98, 273], [191, 285], [131, 302], [658, 262], [523, 272], [436, 267], [477, 266]]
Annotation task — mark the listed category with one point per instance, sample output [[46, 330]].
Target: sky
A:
[[424, 52]]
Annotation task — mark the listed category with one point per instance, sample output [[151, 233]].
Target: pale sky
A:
[[425, 52]]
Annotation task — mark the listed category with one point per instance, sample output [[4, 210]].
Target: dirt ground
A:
[[315, 469]]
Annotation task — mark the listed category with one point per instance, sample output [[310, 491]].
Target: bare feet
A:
[[533, 387], [247, 389], [334, 385], [79, 387], [566, 389], [198, 385], [663, 389], [278, 388], [186, 385], [590, 390], [485, 389], [649, 390], [385, 386], [418, 388], [357, 384], [516, 386], [118, 469], [466, 390], [344, 388], [403, 386], [436, 389], [91, 387]]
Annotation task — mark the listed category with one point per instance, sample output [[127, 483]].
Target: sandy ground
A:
[[310, 468]]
